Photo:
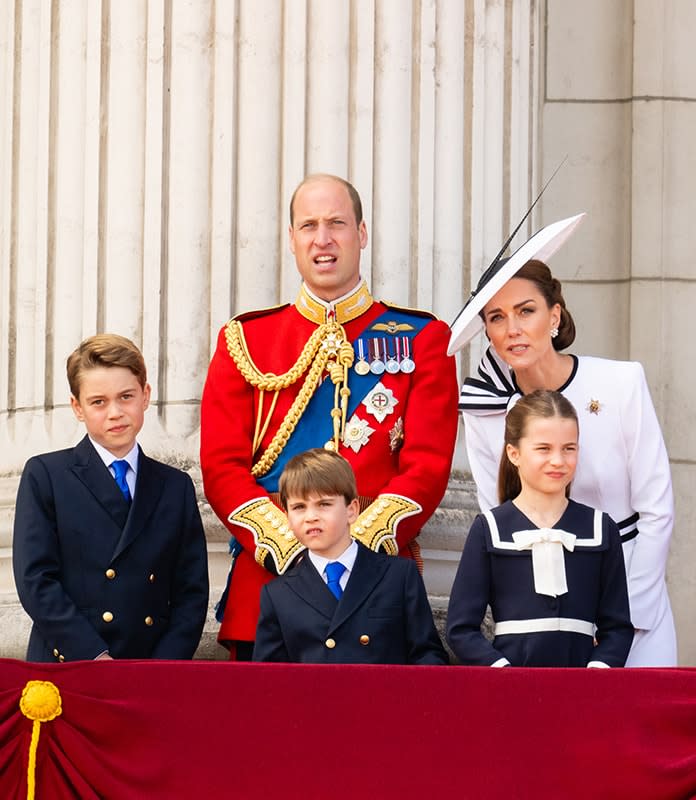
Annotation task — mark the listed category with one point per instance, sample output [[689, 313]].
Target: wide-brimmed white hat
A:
[[542, 245]]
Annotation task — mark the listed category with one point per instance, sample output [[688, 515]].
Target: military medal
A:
[[407, 365], [362, 367], [357, 433], [392, 366], [594, 406], [396, 435], [376, 363], [380, 402]]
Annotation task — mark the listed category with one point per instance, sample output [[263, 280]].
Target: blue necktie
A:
[[334, 570], [120, 468]]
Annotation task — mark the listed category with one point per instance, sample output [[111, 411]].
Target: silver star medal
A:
[[380, 402], [357, 433]]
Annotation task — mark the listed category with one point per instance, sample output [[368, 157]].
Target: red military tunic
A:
[[400, 443]]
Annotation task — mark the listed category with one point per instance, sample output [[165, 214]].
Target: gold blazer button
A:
[[364, 639], [110, 574], [107, 616], [330, 643], [149, 620]]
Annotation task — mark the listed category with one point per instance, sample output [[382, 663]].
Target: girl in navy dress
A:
[[551, 569]]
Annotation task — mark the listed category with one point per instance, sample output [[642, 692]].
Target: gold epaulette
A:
[[376, 526], [271, 531]]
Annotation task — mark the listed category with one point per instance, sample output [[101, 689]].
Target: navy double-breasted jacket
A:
[[383, 617], [96, 573]]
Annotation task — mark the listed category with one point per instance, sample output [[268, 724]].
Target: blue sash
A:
[[315, 426]]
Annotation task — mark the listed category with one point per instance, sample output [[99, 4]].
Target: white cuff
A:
[[501, 662], [597, 664]]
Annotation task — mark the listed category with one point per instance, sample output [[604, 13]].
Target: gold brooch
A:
[[594, 406]]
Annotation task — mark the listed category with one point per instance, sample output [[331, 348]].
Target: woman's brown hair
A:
[[550, 289], [540, 275]]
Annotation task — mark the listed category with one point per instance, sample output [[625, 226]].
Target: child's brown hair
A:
[[542, 404], [104, 350], [318, 471]]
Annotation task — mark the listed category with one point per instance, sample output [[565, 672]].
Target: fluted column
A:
[[259, 227], [186, 267], [28, 220]]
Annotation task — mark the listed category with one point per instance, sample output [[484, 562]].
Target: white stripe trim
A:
[[495, 534], [596, 540], [498, 543], [544, 624]]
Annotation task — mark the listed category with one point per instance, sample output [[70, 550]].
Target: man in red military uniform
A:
[[336, 369]]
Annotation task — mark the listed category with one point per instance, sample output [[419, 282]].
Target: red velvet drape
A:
[[217, 730]]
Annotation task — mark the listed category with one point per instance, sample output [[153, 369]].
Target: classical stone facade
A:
[[148, 150]]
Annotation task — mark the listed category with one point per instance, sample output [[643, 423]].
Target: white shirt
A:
[[347, 558], [131, 457]]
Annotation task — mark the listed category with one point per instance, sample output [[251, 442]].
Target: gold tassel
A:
[[40, 702]]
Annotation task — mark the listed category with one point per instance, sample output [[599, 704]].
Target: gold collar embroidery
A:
[[346, 308]]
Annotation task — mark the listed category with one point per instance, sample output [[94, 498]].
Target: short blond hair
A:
[[104, 350], [320, 472]]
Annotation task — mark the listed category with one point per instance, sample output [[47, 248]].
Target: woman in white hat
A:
[[623, 467]]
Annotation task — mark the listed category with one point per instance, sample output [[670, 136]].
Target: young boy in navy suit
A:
[[109, 552], [342, 603]]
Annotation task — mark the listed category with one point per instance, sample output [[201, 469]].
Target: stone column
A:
[[619, 99], [663, 263]]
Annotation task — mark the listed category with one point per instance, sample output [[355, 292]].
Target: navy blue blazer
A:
[[383, 616], [95, 573]]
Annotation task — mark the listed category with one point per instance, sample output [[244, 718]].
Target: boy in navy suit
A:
[[109, 553], [342, 603]]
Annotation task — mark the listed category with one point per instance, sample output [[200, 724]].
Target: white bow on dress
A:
[[548, 563]]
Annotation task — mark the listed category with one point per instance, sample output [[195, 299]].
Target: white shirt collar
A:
[[108, 457], [347, 558]]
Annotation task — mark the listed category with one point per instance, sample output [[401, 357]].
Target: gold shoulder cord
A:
[[327, 349]]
